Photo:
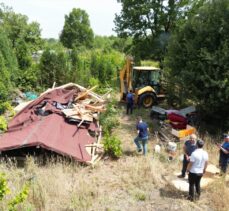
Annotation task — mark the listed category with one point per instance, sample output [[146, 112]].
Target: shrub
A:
[[5, 106], [203, 62], [3, 123], [3, 186], [93, 81], [19, 198], [112, 146], [109, 118]]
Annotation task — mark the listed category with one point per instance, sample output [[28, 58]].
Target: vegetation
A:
[[112, 145], [3, 124], [188, 38], [197, 62], [54, 67], [109, 118], [7, 66], [3, 186], [150, 23], [11, 204], [77, 31]]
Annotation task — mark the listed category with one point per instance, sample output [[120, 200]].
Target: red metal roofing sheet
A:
[[51, 132]]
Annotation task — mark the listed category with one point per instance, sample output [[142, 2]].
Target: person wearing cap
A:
[[196, 168], [189, 147], [224, 154]]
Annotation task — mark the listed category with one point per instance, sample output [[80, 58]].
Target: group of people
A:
[[195, 162], [195, 159]]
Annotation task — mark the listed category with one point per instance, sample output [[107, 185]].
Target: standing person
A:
[[197, 167], [224, 154], [189, 148], [130, 102], [142, 130]]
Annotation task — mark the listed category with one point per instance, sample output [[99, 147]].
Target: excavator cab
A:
[[146, 76]]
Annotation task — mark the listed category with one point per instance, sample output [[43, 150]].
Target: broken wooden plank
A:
[[95, 108], [94, 145], [78, 115], [54, 84], [164, 136], [84, 94], [80, 123]]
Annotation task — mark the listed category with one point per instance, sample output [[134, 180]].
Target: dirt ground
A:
[[162, 196]]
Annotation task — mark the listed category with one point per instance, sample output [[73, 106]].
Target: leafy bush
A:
[[197, 62], [7, 107], [93, 81], [3, 186], [3, 123], [19, 198], [150, 63], [109, 119], [112, 146]]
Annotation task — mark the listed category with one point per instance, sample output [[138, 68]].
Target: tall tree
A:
[[18, 27], [8, 66], [54, 67], [77, 31], [198, 60], [150, 22], [25, 39]]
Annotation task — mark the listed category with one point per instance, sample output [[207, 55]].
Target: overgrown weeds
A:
[[218, 195], [109, 119]]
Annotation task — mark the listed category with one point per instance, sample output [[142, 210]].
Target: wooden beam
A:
[[81, 95]]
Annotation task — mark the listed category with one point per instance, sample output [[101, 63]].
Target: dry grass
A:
[[218, 195], [133, 182]]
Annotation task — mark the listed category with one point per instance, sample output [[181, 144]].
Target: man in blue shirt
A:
[[130, 102], [189, 148], [142, 130], [224, 154]]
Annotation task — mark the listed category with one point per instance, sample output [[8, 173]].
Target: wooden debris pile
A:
[[86, 106], [73, 111]]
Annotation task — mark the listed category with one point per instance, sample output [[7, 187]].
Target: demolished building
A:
[[63, 120]]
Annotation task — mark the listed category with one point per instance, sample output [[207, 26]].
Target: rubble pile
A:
[[63, 120]]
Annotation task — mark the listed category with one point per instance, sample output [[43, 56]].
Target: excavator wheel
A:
[[147, 100]]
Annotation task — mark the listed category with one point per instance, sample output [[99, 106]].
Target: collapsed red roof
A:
[[50, 131]]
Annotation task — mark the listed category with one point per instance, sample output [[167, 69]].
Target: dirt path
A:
[[158, 196]]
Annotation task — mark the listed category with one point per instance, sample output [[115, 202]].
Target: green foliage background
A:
[[198, 62]]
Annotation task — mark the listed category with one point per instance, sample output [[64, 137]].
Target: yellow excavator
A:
[[144, 81]]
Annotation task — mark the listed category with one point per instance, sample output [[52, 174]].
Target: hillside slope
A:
[[133, 182]]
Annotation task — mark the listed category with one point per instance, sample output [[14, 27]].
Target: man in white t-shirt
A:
[[196, 167]]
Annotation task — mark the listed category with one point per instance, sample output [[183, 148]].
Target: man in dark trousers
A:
[[196, 168], [142, 130], [224, 154], [189, 147], [130, 102]]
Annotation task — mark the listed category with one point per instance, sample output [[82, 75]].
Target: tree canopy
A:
[[8, 65], [25, 39], [77, 31], [198, 60], [151, 22]]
